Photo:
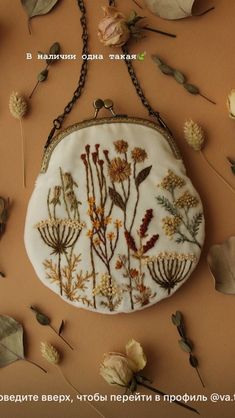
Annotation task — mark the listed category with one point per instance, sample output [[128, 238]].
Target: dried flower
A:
[[113, 29], [194, 135], [139, 155], [50, 353], [18, 105], [119, 170], [231, 104], [121, 146]]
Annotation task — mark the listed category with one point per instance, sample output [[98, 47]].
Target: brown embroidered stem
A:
[[59, 273]]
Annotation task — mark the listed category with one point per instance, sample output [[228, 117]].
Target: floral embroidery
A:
[[169, 269], [181, 224], [119, 170], [109, 289], [61, 235]]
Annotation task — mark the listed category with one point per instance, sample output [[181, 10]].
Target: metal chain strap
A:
[[57, 123], [140, 92]]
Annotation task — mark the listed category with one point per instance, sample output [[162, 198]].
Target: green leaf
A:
[[195, 223], [185, 345], [38, 7], [157, 60], [117, 199], [176, 318], [143, 174], [179, 77], [55, 48], [166, 69], [42, 319], [11, 341], [191, 88], [163, 201]]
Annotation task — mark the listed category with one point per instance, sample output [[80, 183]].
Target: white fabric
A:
[[67, 156]]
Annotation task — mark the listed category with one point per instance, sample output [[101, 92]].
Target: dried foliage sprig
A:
[[184, 343], [46, 321], [42, 76], [195, 137], [179, 77], [18, 107], [53, 356]]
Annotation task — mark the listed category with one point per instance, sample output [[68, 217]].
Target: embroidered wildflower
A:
[[111, 236], [118, 223], [121, 146], [186, 201], [56, 196], [171, 181], [69, 181], [107, 287], [170, 225], [139, 155], [107, 220], [119, 170], [96, 224]]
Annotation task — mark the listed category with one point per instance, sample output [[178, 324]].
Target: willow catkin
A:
[[18, 107], [195, 137]]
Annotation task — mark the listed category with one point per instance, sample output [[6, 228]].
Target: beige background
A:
[[204, 49]]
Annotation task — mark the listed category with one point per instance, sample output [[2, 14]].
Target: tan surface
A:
[[205, 50]]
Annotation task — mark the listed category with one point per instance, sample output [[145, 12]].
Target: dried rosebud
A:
[[231, 104], [113, 29]]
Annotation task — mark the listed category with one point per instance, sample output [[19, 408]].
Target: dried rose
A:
[[113, 29], [231, 104]]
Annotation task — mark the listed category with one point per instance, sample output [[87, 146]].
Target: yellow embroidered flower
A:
[[121, 146], [118, 265], [99, 210], [171, 181], [111, 236], [89, 233], [90, 212], [119, 170], [170, 225], [187, 201], [96, 224], [96, 241], [107, 220], [139, 155], [107, 287], [118, 223]]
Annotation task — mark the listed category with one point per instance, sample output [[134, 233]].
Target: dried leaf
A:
[[191, 88], [38, 7], [61, 328], [179, 77], [176, 318], [42, 76], [117, 198], [185, 345], [221, 260], [165, 69], [171, 9], [193, 361], [41, 317], [11, 341], [143, 174]]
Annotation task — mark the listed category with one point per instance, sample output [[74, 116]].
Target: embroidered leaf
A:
[[143, 174], [117, 199], [38, 7], [196, 222], [163, 201], [11, 341], [61, 328], [221, 260]]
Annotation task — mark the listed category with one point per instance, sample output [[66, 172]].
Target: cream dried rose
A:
[[113, 29], [231, 104], [116, 369], [135, 353]]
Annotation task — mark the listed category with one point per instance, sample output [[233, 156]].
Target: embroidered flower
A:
[[118, 265], [118, 223], [96, 224], [170, 225], [121, 146], [186, 201], [72, 200], [89, 233], [96, 241], [111, 236], [107, 287], [171, 181], [91, 201], [119, 170], [107, 220], [99, 210], [139, 155], [134, 273]]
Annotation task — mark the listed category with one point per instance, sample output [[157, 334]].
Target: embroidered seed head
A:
[[171, 181], [186, 201], [118, 265], [119, 170], [145, 222], [72, 200], [99, 210], [50, 353], [94, 157], [130, 241], [139, 155], [69, 181], [121, 146], [134, 273], [194, 135], [18, 105], [56, 196]]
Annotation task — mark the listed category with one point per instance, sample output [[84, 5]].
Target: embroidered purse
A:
[[114, 224]]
